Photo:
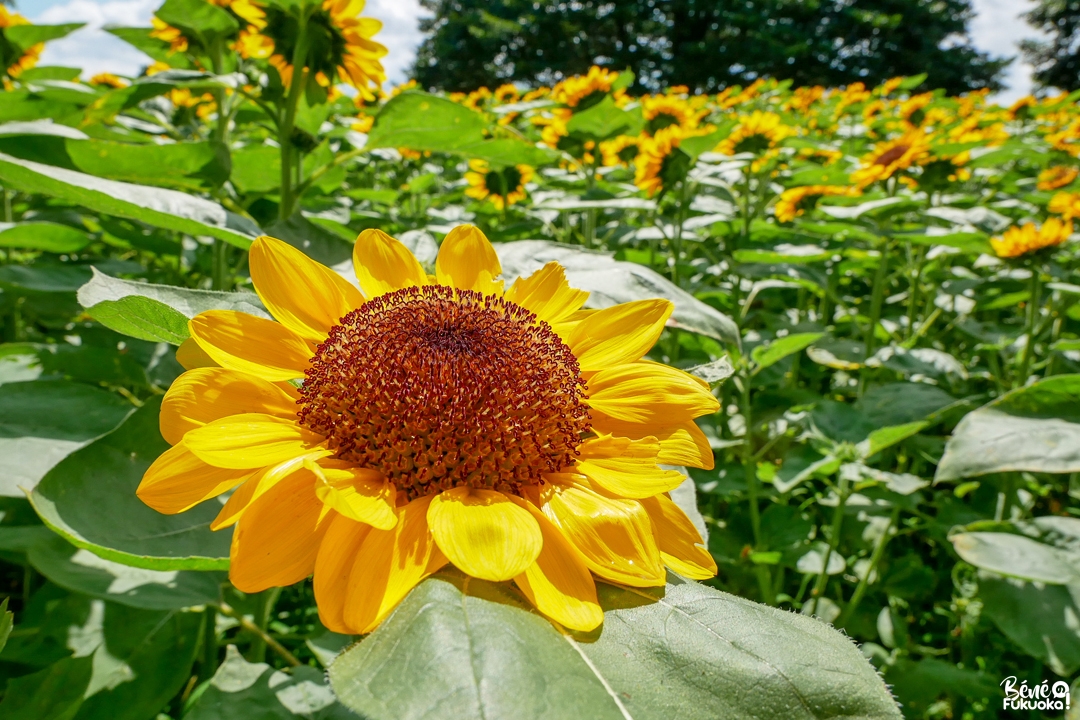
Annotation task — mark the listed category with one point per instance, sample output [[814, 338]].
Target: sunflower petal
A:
[[191, 356], [250, 344], [681, 547], [388, 565], [483, 533], [251, 440], [680, 444], [359, 494], [467, 261], [178, 481], [204, 395], [646, 392], [254, 487], [558, 584], [547, 293], [305, 296], [619, 334], [383, 264], [626, 467], [338, 549], [277, 539], [614, 536]]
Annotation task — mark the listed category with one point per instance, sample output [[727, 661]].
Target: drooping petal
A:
[[467, 261], [680, 444], [305, 296], [383, 264], [204, 395], [547, 293], [483, 533], [388, 565], [263, 348], [277, 539], [614, 536], [619, 334], [646, 392], [559, 583], [360, 494], [254, 487], [191, 356], [338, 550], [626, 467], [251, 440], [681, 547], [178, 481]]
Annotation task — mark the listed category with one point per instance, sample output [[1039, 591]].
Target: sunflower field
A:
[[320, 401]]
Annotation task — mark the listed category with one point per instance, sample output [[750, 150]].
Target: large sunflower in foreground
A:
[[374, 435], [13, 60]]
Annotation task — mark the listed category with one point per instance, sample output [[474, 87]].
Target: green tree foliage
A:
[[705, 44], [1056, 59]]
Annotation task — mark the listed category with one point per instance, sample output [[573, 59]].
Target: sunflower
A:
[[661, 111], [340, 43], [795, 201], [1065, 204], [913, 110], [1022, 108], [15, 59], [165, 32], [109, 80], [1067, 139], [1056, 177], [585, 90], [890, 157], [1028, 238], [502, 187], [622, 150], [660, 163], [756, 133], [374, 435]]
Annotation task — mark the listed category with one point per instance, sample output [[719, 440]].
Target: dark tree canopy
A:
[[706, 44], [1056, 59]]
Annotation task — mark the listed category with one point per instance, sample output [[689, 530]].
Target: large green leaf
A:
[[6, 621], [605, 119], [189, 166], [25, 36], [1040, 619], [156, 48], [89, 498], [772, 353], [47, 236], [198, 19], [54, 693], [143, 318], [1017, 556], [466, 649], [43, 422], [1036, 428], [159, 207], [186, 302]]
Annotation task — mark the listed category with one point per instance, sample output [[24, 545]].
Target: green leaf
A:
[[240, 689], [45, 236], [766, 355], [43, 422], [904, 402], [46, 276], [974, 243], [716, 371], [154, 47], [191, 166], [1016, 556], [159, 207], [197, 18], [82, 571], [604, 120], [142, 318], [183, 301], [25, 36], [7, 619], [256, 169], [1039, 619], [54, 693], [89, 498], [1035, 428], [315, 241], [885, 437], [464, 649]]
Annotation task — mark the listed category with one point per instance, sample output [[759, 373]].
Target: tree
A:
[[706, 44], [1056, 59]]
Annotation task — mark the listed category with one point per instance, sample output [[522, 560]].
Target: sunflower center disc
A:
[[437, 388]]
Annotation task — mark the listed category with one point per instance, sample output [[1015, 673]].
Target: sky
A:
[[997, 28]]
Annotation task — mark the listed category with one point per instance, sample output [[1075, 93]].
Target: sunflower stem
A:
[[1029, 328], [762, 573], [209, 661], [875, 558], [285, 127], [263, 639], [877, 298], [834, 538]]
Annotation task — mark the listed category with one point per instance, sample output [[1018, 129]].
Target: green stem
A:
[[752, 490], [875, 558], [220, 271], [913, 292], [1029, 328], [834, 538], [210, 644], [285, 127], [221, 129], [263, 637], [8, 217], [877, 298]]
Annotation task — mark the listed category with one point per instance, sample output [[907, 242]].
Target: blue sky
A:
[[997, 28]]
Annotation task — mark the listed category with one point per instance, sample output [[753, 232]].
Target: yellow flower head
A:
[[1065, 204], [372, 436], [657, 165], [502, 187], [553, 126], [1028, 238], [913, 110], [622, 150], [892, 156], [661, 111], [1056, 177], [889, 86], [1021, 109], [108, 80], [28, 58], [364, 123], [178, 42], [756, 133], [804, 97], [585, 89], [1066, 140], [795, 201]]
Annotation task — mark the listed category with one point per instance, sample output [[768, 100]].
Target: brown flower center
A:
[[891, 155], [438, 388]]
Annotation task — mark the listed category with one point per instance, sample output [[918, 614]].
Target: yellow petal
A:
[[389, 564], [467, 261], [178, 481], [645, 392], [251, 440], [614, 536], [547, 293], [681, 547], [305, 296], [360, 494], [337, 552], [191, 356], [254, 487], [626, 467], [559, 583], [383, 264], [619, 334], [204, 395], [250, 344], [278, 537], [680, 444], [483, 533]]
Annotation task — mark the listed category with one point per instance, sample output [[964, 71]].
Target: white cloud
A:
[[998, 27]]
